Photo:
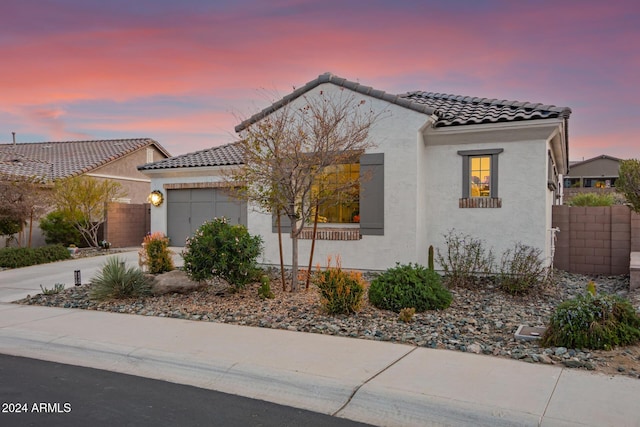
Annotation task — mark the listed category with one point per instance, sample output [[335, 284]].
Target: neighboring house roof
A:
[[54, 160], [451, 110], [224, 155], [602, 156]]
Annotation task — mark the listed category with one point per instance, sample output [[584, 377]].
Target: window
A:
[[480, 178], [370, 203], [342, 183]]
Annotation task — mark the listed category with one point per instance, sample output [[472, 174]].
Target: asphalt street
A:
[[40, 393]]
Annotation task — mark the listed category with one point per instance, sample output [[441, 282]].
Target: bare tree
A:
[[22, 199], [286, 154]]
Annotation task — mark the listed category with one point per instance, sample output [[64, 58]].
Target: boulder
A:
[[174, 281]]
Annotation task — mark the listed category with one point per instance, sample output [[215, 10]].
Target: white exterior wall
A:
[[423, 185], [397, 135], [525, 215]]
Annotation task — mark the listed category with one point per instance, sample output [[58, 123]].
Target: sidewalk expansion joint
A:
[[371, 379], [555, 386]]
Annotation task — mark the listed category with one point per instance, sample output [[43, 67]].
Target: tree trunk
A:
[[284, 283], [294, 253], [30, 228], [313, 245]]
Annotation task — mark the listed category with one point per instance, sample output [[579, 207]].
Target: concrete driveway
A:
[[19, 282]]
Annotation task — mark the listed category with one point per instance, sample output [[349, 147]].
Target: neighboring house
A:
[[598, 172], [115, 159], [483, 167]]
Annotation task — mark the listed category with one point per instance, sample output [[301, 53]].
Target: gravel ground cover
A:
[[479, 321]]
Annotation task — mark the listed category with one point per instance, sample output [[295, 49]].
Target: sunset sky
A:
[[186, 72]]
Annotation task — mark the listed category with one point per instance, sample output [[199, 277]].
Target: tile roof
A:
[[54, 160], [451, 110], [224, 155]]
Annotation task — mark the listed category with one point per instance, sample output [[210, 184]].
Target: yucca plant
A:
[[116, 280]]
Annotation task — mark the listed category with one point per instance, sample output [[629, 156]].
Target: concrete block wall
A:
[[127, 224], [595, 240]]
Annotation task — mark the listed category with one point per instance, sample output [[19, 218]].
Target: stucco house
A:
[[484, 167], [597, 172], [115, 159]]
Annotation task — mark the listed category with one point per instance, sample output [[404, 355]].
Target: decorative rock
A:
[[560, 351], [474, 348], [174, 281]]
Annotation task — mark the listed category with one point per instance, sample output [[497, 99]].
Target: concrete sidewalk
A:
[[374, 382]]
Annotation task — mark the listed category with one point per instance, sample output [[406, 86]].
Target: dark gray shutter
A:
[[372, 194], [285, 224]]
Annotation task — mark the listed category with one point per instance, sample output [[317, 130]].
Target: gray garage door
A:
[[189, 209]]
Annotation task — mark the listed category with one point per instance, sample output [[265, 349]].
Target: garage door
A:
[[188, 209]]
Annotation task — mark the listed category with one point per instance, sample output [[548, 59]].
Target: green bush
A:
[[58, 229], [341, 291], [522, 270], [155, 254], [24, 257], [116, 280], [595, 322], [465, 261], [219, 249], [592, 199], [264, 292], [407, 286]]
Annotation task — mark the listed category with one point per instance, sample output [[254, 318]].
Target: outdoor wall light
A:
[[156, 198]]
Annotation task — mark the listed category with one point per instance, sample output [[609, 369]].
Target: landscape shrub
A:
[[522, 270], [58, 229], [407, 286], [406, 314], [155, 254], [597, 322], [341, 291], [264, 291], [465, 260], [592, 199], [219, 249], [116, 280], [24, 257]]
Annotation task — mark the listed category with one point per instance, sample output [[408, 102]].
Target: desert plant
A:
[[522, 270], [341, 291], [58, 229], [219, 249], [23, 257], [57, 288], [629, 182], [116, 280], [465, 260], [409, 285], [595, 322], [155, 254], [592, 199], [264, 291], [406, 314]]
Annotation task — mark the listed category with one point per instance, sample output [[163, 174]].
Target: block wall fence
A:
[[127, 224], [595, 240]]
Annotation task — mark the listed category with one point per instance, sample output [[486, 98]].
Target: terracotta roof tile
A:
[[452, 110], [224, 155], [54, 160]]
